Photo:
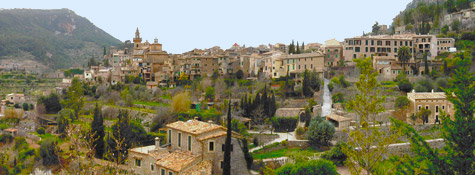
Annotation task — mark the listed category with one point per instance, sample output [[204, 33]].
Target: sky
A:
[[182, 25]]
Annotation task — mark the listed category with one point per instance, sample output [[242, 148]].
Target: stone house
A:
[[333, 51], [193, 147], [436, 102], [15, 98], [296, 64]]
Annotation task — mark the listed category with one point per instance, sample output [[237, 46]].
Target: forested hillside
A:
[[56, 38]]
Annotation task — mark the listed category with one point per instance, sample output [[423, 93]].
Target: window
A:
[[170, 173], [151, 166], [354, 55], [427, 107], [189, 143], [137, 162], [293, 67], [336, 56], [366, 42], [436, 109], [222, 164], [357, 49], [211, 146], [395, 50], [162, 172], [395, 43], [372, 42], [179, 139], [299, 67], [443, 107], [419, 107], [366, 49]]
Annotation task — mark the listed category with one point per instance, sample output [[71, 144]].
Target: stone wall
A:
[[405, 148], [298, 143]]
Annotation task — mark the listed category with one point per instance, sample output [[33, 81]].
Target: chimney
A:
[[196, 118], [432, 90], [210, 122], [157, 143], [413, 91]]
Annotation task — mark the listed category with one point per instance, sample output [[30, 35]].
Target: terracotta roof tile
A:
[[177, 160], [194, 126]]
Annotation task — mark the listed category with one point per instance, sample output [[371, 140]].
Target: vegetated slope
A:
[[56, 38]]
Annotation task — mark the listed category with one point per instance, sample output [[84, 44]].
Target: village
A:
[[271, 109]]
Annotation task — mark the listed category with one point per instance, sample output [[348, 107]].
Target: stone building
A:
[[193, 147], [388, 45], [333, 51], [296, 64], [436, 102]]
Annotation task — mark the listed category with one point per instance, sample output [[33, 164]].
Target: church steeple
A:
[[137, 38]]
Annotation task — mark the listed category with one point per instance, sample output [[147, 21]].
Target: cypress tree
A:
[[298, 48], [97, 129], [227, 146], [426, 65], [302, 50], [273, 106], [264, 101], [257, 101]]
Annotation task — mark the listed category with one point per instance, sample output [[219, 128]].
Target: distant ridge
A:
[[56, 38]]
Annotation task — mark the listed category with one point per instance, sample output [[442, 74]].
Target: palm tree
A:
[[404, 55]]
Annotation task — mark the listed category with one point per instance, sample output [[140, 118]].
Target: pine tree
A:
[[227, 145], [97, 131], [459, 133]]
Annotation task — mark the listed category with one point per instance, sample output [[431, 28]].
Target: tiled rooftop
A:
[[194, 126], [177, 160], [426, 95], [337, 117]]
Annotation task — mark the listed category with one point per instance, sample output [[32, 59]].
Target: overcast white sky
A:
[[184, 25]]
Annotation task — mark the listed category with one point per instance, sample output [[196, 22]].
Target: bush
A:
[[336, 154], [330, 86], [314, 167], [40, 131], [300, 131], [338, 98], [320, 132], [255, 141], [403, 83], [284, 143], [48, 152], [285, 124]]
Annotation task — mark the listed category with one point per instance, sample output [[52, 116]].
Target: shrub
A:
[[315, 167], [320, 132], [181, 102], [255, 141], [330, 86], [284, 143], [40, 131], [48, 152], [338, 98], [285, 124], [336, 154], [300, 131]]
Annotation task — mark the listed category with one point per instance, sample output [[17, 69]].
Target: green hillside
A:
[[56, 38]]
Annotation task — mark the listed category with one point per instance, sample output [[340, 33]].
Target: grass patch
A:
[[308, 152]]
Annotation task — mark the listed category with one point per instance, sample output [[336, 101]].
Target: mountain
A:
[[54, 38]]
